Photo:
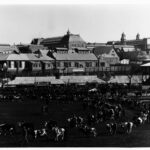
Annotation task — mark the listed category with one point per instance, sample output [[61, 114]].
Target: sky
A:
[[94, 22]]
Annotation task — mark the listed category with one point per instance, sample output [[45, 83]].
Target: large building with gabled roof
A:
[[68, 41]]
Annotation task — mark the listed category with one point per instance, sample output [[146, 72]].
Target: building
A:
[[91, 46], [7, 49], [76, 63], [138, 43], [70, 53], [26, 64], [29, 48], [107, 56], [69, 41]]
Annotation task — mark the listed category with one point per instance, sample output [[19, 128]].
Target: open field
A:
[[31, 111]]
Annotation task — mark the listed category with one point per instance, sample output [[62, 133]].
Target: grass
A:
[[31, 111]]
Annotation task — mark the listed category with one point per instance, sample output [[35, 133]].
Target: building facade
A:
[[138, 43], [107, 56]]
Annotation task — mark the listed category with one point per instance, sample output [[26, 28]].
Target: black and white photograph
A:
[[75, 74]]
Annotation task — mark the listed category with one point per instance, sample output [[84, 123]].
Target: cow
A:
[[48, 125], [27, 130], [40, 133], [88, 130], [73, 122], [112, 128], [59, 133], [137, 121], [127, 127], [7, 129]]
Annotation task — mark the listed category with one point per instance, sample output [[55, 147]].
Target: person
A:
[[45, 109]]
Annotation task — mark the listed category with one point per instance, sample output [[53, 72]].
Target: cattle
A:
[[129, 126], [100, 116], [27, 130], [88, 130], [144, 117], [48, 125], [73, 122], [80, 121], [111, 128], [7, 129], [40, 133], [126, 127], [138, 121], [59, 133], [91, 119], [28, 125]]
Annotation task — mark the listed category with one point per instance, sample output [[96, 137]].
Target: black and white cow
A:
[[59, 133]]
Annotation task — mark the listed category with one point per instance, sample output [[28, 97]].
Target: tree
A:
[[134, 69]]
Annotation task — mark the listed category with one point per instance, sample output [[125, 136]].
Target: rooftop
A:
[[102, 50], [74, 56]]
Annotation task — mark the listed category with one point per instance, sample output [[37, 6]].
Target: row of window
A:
[[19, 64], [76, 64], [16, 64], [78, 45], [36, 65]]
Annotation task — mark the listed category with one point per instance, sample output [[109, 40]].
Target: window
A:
[[96, 64], [35, 65], [49, 65], [88, 64], [9, 64], [16, 64], [20, 64], [69, 64], [65, 64], [39, 65], [102, 64], [57, 64], [76, 64]]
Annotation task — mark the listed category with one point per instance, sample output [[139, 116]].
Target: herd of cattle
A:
[[106, 104]]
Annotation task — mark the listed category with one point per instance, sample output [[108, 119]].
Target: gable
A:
[[113, 53]]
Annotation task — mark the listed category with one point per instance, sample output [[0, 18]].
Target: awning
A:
[[96, 80], [57, 81], [78, 70], [146, 65], [93, 90]]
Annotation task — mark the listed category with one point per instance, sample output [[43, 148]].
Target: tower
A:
[[137, 36], [68, 32], [123, 38]]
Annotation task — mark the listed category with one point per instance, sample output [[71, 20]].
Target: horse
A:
[[59, 133]]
